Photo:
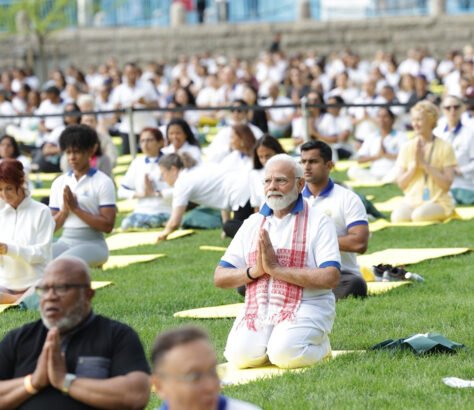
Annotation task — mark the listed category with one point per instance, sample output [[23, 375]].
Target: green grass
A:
[[146, 296]]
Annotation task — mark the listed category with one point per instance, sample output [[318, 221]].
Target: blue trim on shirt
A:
[[326, 264], [54, 209], [225, 264], [221, 404], [126, 187], [456, 130], [91, 172], [153, 159], [107, 206], [355, 223], [265, 210], [324, 193]]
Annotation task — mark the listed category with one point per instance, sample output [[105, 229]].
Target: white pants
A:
[[297, 343]]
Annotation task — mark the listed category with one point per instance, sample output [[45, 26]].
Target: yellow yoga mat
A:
[[465, 213], [120, 261], [389, 205], [40, 192], [231, 310], [380, 224], [287, 143], [94, 284], [44, 176], [344, 165], [124, 159], [364, 184], [230, 375], [120, 169], [126, 205], [213, 248], [408, 256], [212, 312], [129, 239]]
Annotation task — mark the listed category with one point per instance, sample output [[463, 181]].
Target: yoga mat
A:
[[464, 213], [130, 239], [44, 176], [389, 205], [399, 257], [380, 224], [120, 261], [287, 144], [94, 285], [126, 205], [120, 169], [40, 192], [213, 248], [364, 184], [118, 179], [124, 159], [230, 375], [344, 165], [230, 311]]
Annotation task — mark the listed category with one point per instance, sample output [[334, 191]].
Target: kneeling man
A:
[[288, 257]]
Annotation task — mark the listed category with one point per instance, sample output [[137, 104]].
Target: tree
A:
[[36, 20]]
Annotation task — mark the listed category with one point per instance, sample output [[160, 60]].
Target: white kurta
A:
[[28, 233]]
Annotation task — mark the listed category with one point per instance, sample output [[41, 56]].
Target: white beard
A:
[[278, 201]]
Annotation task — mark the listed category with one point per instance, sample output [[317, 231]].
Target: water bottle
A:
[[414, 277]]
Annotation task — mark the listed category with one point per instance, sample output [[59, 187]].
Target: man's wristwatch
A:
[[67, 382]]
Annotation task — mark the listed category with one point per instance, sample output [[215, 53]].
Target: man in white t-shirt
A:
[[344, 207], [279, 119], [288, 258], [136, 94]]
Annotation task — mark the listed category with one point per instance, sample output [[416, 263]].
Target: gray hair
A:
[[297, 168]]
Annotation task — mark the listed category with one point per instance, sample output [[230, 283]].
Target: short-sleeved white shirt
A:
[[462, 140], [134, 181], [28, 233], [346, 209], [321, 240], [257, 193], [193, 150], [127, 96], [47, 107], [206, 185], [391, 144], [93, 191]]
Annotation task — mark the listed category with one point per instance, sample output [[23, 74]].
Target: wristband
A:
[[68, 379], [28, 385], [248, 274]]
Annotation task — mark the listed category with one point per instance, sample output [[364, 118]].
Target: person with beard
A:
[[72, 358], [287, 256], [344, 207]]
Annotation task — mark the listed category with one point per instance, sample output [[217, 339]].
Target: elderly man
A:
[[288, 257], [72, 358], [344, 207], [185, 374]]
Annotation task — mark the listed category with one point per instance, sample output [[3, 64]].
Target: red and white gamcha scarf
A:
[[270, 304]]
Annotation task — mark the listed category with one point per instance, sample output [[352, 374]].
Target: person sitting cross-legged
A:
[[288, 257]]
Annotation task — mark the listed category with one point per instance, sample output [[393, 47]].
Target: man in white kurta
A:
[[289, 271]]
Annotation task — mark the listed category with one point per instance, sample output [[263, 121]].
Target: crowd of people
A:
[[296, 232]]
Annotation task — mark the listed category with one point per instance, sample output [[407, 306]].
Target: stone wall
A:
[[93, 45]]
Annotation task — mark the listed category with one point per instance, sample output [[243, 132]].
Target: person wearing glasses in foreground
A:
[[288, 256], [185, 375], [426, 166], [72, 358]]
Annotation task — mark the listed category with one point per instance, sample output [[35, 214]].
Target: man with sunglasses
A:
[[72, 358], [185, 374]]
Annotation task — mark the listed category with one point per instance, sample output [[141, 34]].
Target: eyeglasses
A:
[[59, 290], [193, 377], [451, 107], [280, 181]]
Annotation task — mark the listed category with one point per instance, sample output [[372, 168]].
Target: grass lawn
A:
[[146, 296]]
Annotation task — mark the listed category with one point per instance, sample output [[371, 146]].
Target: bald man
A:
[[72, 358]]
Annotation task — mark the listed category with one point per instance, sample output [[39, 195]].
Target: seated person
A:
[[185, 375], [381, 150], [461, 137], [426, 167], [181, 139], [143, 181], [288, 257], [202, 185], [26, 236], [82, 201], [72, 358]]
